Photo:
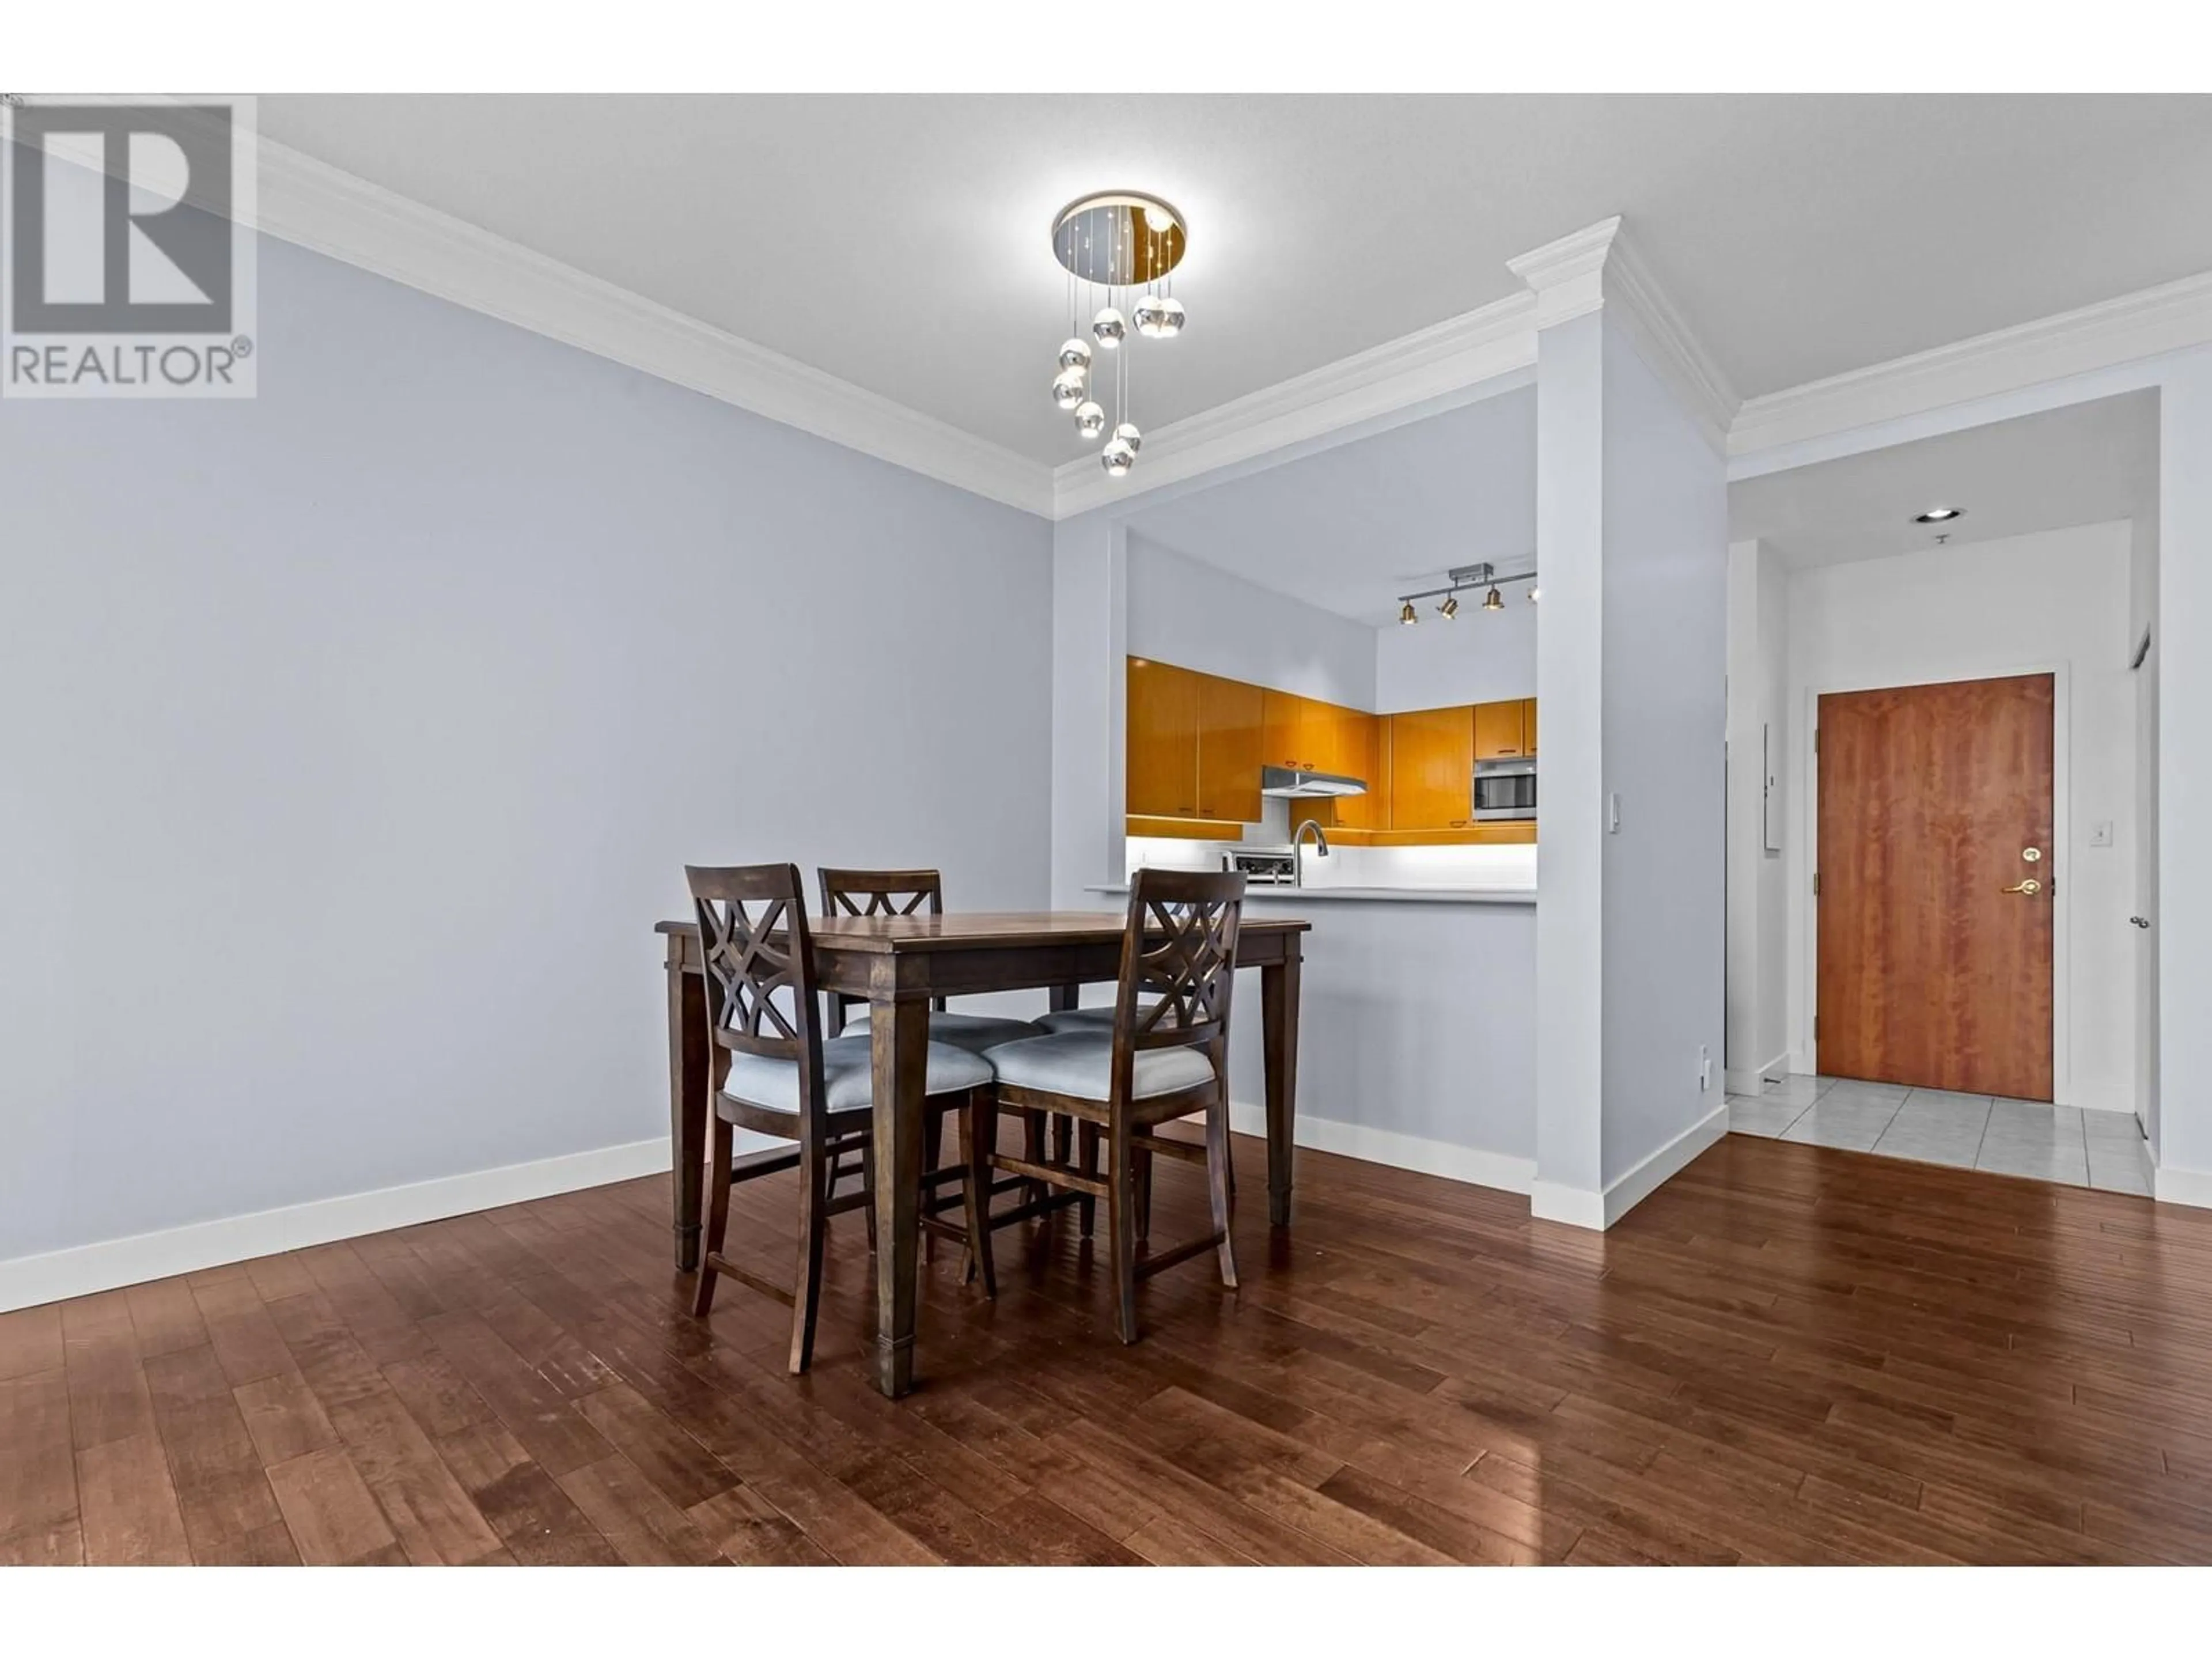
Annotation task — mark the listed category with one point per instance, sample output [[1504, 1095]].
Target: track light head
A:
[[1449, 608], [1493, 600], [1407, 615]]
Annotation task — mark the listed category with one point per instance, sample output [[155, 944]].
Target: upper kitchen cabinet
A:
[[1529, 726], [1433, 768], [1310, 736], [1229, 717], [1162, 740], [1501, 729], [1291, 731], [1193, 745]]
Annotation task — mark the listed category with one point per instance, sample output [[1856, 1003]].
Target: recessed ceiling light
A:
[[1939, 515]]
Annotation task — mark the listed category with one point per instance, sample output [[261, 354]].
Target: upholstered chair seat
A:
[[1081, 1064], [974, 1032], [757, 1081], [1084, 1020]]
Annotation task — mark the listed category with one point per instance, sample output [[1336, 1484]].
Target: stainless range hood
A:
[[1286, 783]]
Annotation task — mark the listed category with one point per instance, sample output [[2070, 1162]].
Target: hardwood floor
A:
[[1787, 1354]]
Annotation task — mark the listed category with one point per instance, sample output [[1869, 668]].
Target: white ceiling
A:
[[900, 243], [1352, 527], [2085, 463]]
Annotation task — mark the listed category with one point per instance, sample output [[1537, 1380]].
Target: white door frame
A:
[[2058, 860]]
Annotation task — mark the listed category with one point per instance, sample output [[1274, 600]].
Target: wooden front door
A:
[[1935, 960]]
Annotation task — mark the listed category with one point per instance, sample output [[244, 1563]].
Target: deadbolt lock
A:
[[2031, 853]]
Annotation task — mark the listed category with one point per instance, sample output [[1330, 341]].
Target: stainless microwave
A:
[[1505, 790]]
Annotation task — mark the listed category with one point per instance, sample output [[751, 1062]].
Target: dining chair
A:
[[906, 893], [1165, 1057], [775, 1074]]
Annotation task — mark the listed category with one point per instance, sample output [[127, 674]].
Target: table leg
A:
[[899, 1052], [688, 1061], [1279, 1020]]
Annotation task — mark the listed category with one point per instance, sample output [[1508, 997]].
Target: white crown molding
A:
[[319, 207], [1567, 275], [1599, 266], [1432, 362], [334, 213], [2173, 317], [1667, 345]]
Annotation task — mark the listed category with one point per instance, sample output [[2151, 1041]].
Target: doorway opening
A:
[[1936, 817]]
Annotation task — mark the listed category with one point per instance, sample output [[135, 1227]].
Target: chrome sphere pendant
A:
[[1121, 247], [1159, 317]]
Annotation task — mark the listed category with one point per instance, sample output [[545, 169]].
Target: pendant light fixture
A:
[[1463, 579], [1120, 249]]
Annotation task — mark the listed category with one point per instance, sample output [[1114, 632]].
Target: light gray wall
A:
[[1772, 1041], [2142, 617], [1477, 657], [1665, 713], [2182, 926], [1190, 614], [353, 739], [1758, 703]]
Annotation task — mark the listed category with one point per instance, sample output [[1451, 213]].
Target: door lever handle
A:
[[2031, 887]]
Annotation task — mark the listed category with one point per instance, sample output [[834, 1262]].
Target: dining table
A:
[[900, 965]]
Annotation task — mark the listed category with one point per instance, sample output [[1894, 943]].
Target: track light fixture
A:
[[1461, 578]]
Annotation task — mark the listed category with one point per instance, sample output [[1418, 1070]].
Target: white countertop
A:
[[1372, 895]]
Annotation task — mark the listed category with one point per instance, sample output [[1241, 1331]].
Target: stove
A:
[[1263, 866]]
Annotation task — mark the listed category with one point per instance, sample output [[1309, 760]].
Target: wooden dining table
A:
[[899, 963]]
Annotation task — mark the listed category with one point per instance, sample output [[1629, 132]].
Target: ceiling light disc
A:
[[1119, 238]]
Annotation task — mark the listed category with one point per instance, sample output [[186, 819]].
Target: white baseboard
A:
[[31, 1280], [1748, 1079], [1571, 1207], [1577, 1207], [1477, 1168], [2189, 1187]]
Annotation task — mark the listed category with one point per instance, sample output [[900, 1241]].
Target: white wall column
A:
[[1090, 636], [1747, 803], [2184, 924], [1631, 535]]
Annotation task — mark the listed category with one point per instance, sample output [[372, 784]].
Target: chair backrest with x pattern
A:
[[760, 962], [882, 892], [879, 893], [1180, 949]]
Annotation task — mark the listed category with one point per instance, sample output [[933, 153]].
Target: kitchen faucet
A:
[[1299, 849]]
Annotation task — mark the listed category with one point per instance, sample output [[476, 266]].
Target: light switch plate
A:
[[2100, 833]]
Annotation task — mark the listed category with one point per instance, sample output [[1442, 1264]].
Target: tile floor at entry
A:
[[2064, 1144]]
